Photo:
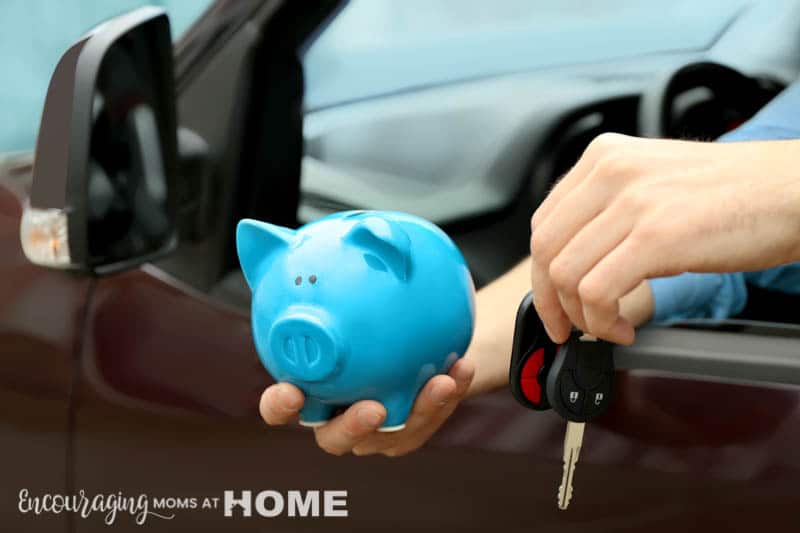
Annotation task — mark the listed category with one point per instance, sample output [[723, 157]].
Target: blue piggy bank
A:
[[357, 305]]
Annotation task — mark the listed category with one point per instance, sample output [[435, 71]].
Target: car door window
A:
[[50, 27]]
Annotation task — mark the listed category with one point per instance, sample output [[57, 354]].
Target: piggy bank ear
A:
[[258, 242], [385, 241]]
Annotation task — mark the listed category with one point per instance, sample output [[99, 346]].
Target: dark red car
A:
[[128, 366]]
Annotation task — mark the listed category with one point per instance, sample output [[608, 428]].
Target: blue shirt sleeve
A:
[[692, 295]]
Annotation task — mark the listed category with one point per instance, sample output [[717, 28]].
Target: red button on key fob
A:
[[529, 379], [532, 355]]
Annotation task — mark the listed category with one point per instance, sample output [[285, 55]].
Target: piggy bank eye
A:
[[373, 261]]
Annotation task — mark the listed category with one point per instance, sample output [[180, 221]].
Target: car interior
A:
[[475, 155]]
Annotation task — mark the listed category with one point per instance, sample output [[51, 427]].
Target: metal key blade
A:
[[572, 449]]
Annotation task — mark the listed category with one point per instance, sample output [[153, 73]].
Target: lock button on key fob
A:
[[580, 381]]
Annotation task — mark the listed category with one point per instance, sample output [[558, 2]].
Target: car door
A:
[[702, 421]]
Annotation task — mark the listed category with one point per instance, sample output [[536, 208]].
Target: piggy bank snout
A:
[[306, 346]]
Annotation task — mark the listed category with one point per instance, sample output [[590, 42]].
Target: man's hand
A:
[[355, 430], [633, 209]]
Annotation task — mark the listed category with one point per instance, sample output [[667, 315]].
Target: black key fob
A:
[[580, 381], [532, 355]]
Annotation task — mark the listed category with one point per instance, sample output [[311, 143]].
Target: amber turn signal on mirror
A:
[[43, 234]]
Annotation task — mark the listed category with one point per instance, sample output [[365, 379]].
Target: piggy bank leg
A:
[[315, 413], [398, 406]]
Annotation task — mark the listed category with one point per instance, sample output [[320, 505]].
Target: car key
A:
[[579, 387]]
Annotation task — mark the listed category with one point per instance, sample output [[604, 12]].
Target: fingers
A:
[[594, 274], [463, 372], [618, 273], [575, 227], [280, 403], [439, 393], [578, 257], [574, 309], [575, 211], [600, 147], [591, 243], [423, 426], [345, 431], [435, 394], [434, 399], [576, 204], [435, 403], [564, 186], [355, 430], [547, 304]]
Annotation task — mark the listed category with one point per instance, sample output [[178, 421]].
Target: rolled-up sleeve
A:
[[693, 295]]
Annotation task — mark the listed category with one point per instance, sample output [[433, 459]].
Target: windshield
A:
[[48, 28], [379, 47]]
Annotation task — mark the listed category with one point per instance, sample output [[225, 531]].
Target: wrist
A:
[[491, 354], [495, 313]]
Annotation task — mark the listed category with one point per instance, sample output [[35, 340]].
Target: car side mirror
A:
[[102, 198]]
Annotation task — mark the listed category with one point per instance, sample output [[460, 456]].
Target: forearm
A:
[[495, 311]]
